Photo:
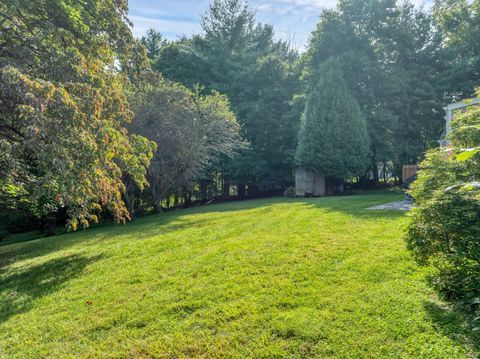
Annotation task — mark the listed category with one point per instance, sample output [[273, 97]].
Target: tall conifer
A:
[[333, 138]]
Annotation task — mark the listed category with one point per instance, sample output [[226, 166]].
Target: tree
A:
[[333, 138], [192, 133], [64, 68], [153, 42], [389, 54], [459, 23], [179, 61], [239, 57]]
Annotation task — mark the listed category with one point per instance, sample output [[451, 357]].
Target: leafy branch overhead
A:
[[64, 108]]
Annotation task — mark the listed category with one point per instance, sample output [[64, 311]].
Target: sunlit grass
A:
[[260, 279]]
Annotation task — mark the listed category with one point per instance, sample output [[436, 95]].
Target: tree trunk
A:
[[188, 199], [375, 167], [156, 197], [242, 191], [203, 191], [226, 188], [168, 201], [157, 206]]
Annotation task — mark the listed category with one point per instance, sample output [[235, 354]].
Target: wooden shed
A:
[[308, 183], [311, 184], [409, 171]]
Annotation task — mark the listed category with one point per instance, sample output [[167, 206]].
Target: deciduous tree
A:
[[64, 67]]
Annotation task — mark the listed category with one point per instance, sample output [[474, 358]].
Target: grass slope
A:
[[260, 279]]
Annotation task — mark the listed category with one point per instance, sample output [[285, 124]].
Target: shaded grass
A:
[[267, 278]]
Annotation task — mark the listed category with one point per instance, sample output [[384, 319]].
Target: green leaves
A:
[[467, 154], [63, 107], [389, 52], [239, 57], [445, 228], [192, 132]]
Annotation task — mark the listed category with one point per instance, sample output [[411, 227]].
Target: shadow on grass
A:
[[21, 288], [454, 324]]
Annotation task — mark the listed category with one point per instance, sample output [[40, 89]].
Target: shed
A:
[[311, 184], [409, 171], [308, 183]]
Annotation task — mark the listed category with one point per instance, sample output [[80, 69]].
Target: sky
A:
[[293, 20]]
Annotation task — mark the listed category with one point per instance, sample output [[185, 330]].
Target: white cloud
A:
[[168, 27]]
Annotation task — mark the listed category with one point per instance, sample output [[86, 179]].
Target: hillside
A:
[[266, 278]]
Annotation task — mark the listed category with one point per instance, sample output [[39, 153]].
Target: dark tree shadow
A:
[[455, 324], [21, 288]]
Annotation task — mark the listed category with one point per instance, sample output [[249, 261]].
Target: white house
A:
[[450, 111]]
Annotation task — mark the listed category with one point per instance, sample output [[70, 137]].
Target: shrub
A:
[[445, 228]]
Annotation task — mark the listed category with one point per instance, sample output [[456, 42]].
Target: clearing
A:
[[267, 278]]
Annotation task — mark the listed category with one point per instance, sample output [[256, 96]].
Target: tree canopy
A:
[[63, 70], [240, 58], [74, 82], [389, 54], [192, 132]]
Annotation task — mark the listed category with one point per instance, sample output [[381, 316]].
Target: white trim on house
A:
[[449, 110]]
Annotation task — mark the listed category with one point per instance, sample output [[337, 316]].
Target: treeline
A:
[[401, 64], [96, 123], [260, 75], [87, 130]]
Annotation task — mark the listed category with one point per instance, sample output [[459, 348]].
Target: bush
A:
[[445, 228]]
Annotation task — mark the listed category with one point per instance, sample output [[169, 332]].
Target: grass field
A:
[[256, 279]]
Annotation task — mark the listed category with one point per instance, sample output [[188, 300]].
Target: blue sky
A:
[[293, 20]]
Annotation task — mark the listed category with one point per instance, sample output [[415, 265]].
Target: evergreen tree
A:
[[459, 23], [153, 42], [389, 52], [240, 58], [333, 138]]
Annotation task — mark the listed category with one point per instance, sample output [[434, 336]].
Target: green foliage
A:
[[333, 138], [389, 53], [179, 61], [240, 58], [192, 133], [153, 42], [64, 67], [445, 227], [458, 22]]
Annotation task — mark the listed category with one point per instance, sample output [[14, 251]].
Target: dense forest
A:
[[97, 124]]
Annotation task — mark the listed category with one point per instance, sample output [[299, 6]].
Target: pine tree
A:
[[333, 138]]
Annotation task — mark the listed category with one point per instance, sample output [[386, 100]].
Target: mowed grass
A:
[[272, 278]]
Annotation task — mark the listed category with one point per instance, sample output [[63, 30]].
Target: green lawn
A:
[[260, 279]]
